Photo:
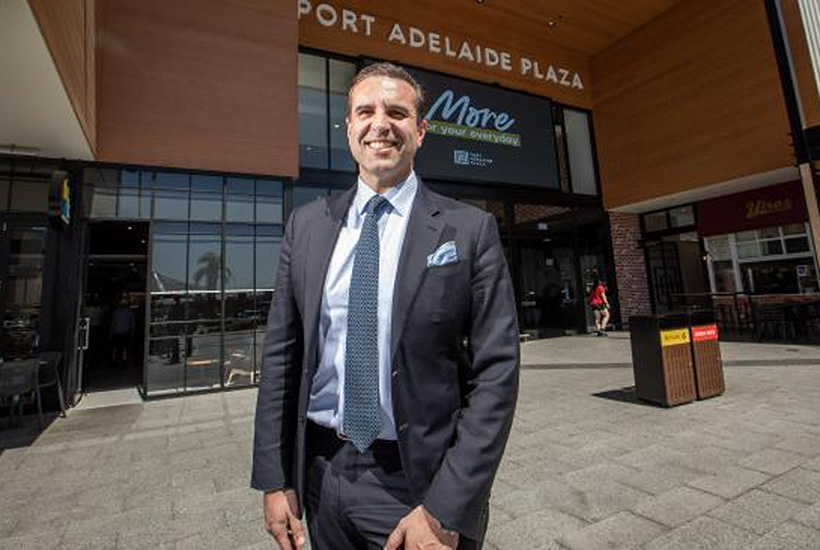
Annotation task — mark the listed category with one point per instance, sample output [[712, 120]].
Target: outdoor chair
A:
[[773, 321], [50, 374], [19, 379]]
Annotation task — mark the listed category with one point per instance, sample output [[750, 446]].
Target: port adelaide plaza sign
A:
[[470, 51]]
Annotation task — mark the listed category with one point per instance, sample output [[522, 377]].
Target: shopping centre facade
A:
[[153, 152]]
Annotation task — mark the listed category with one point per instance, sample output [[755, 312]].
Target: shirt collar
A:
[[399, 196]]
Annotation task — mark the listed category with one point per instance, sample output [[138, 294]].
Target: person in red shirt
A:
[[600, 305]]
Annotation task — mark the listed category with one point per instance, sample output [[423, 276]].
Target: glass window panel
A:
[[269, 197], [205, 257], [561, 149], [29, 195], [203, 355], [655, 221], [797, 244], [101, 177], [169, 251], [313, 116], [772, 248], [748, 250], [165, 371], [724, 276], [745, 236], [769, 233], [178, 181], [239, 208], [130, 179], [268, 241], [170, 205], [341, 75], [23, 290], [269, 188], [103, 202], [682, 216], [206, 206], [129, 203], [241, 186], [167, 313], [239, 368], [5, 186], [269, 210], [581, 163], [239, 269], [206, 198], [794, 229]]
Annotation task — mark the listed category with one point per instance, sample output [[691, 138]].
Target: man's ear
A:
[[422, 130]]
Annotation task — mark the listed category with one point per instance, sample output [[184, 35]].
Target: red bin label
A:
[[705, 332]]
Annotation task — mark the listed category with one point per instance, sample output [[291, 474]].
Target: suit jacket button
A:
[[395, 372], [403, 427]]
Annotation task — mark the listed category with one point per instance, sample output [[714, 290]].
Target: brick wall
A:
[[630, 267]]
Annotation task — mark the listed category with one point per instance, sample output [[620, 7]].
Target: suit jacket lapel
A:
[[323, 235], [420, 239]]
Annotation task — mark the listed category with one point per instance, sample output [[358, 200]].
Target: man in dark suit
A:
[[390, 369]]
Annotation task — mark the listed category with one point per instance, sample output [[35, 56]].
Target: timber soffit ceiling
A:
[[588, 26]]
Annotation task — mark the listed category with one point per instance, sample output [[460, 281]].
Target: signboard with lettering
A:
[[674, 337], [405, 34], [704, 333], [766, 207], [478, 133]]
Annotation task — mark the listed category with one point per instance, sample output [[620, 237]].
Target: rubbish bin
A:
[[706, 354], [662, 358]]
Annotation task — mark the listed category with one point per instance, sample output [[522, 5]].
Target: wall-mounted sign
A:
[[765, 207], [480, 133], [439, 46], [59, 198]]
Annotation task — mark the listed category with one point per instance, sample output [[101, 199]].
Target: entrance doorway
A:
[[549, 293], [114, 304]]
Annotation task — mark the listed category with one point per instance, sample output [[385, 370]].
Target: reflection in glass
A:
[[168, 257], [205, 257], [206, 198], [312, 112], [579, 145], [164, 366], [29, 195], [238, 206], [170, 205], [239, 257], [23, 289], [341, 75], [103, 202], [268, 240]]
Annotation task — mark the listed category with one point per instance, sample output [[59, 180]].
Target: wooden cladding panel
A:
[[690, 99], [68, 29], [459, 21], [200, 84]]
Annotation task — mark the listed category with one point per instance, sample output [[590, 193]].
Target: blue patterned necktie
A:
[[361, 403]]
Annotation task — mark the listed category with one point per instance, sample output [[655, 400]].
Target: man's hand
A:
[[419, 530], [283, 519]]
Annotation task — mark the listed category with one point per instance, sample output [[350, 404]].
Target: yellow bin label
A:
[[674, 337]]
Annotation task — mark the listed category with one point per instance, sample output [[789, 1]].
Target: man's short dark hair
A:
[[390, 70]]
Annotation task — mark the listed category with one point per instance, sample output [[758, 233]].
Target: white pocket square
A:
[[445, 254]]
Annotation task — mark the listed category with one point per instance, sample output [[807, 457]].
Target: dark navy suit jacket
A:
[[455, 355]]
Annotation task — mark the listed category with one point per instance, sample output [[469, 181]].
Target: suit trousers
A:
[[354, 500]]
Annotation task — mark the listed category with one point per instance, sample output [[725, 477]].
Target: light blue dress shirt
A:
[[326, 406]]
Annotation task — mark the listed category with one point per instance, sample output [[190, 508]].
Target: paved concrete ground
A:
[[587, 466]]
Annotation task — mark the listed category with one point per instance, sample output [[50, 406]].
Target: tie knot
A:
[[376, 205]]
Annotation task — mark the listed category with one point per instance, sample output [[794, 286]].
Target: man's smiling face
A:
[[383, 130]]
